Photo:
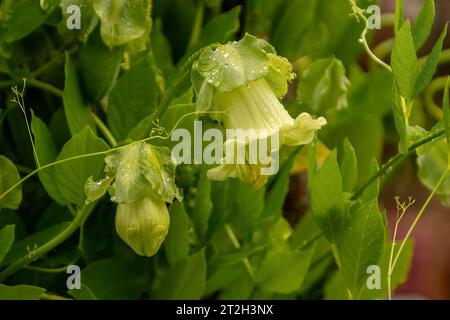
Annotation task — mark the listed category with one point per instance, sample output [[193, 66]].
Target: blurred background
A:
[[430, 272]]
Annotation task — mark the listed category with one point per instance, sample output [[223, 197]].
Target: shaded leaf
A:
[[176, 244], [133, 98], [185, 280], [6, 240], [20, 292], [9, 176], [78, 112]]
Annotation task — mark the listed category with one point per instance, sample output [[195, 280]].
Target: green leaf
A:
[[71, 175], [26, 245], [276, 194], [327, 201], [361, 245], [46, 152], [423, 24], [24, 17], [177, 241], [399, 274], [185, 280], [78, 113], [283, 271], [432, 166], [335, 288], [222, 278], [240, 289], [323, 86], [404, 61], [99, 67], [348, 167], [203, 206], [6, 240], [248, 205], [82, 294], [9, 176], [20, 292], [122, 21], [133, 98], [113, 279], [427, 72]]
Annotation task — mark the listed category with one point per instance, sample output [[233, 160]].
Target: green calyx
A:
[[235, 64]]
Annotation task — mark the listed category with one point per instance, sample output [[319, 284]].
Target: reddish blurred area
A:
[[430, 273]]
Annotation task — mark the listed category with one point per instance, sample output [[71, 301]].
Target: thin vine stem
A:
[[52, 270], [105, 130], [401, 210], [359, 13], [394, 160], [230, 233], [419, 215], [19, 100], [83, 213]]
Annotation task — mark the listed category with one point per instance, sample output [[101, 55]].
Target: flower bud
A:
[[143, 224]]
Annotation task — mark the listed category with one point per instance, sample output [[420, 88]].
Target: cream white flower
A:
[[243, 82]]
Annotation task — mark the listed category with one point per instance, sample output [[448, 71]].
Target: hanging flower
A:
[[141, 179], [143, 224], [243, 82]]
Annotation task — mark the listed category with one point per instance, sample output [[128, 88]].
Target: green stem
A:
[[391, 257], [237, 246], [394, 160], [359, 13], [419, 215], [51, 270], [83, 213], [46, 87], [105, 130]]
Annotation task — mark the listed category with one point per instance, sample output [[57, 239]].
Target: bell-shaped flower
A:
[[242, 83], [140, 179]]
